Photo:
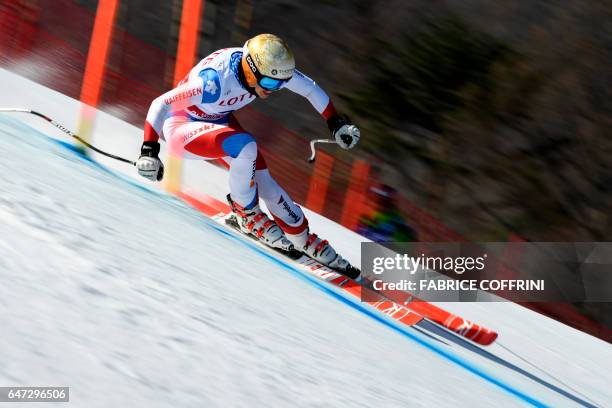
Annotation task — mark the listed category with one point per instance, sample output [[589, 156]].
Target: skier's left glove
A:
[[346, 134]]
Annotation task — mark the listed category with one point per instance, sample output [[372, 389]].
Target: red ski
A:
[[404, 308]]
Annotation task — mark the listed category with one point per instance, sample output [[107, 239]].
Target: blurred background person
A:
[[384, 222]]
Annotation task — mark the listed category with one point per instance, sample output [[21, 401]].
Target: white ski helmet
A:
[[269, 59]]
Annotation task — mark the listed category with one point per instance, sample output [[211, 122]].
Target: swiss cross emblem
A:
[[211, 87]]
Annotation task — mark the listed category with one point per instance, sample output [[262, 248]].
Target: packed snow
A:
[[130, 297]]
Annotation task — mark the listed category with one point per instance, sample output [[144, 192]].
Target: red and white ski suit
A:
[[196, 119]]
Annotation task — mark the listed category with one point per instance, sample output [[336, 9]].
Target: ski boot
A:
[[320, 250], [255, 222]]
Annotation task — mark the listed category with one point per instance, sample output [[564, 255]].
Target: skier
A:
[[196, 117]]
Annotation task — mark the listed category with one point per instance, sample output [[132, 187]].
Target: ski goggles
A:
[[271, 84], [266, 82]]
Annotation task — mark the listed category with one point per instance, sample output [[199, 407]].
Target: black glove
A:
[[346, 134], [148, 164]]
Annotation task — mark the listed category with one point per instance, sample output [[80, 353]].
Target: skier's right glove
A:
[[148, 164]]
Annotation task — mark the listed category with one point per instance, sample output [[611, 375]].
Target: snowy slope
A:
[[127, 295]]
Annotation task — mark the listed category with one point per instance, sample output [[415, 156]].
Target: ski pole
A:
[[313, 149], [68, 132], [112, 156]]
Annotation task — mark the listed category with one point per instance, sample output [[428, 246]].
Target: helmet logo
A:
[[274, 72], [251, 64]]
